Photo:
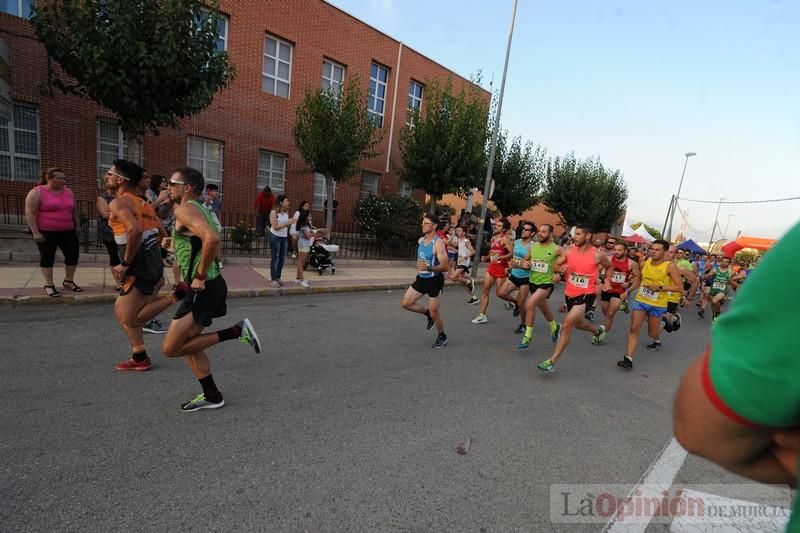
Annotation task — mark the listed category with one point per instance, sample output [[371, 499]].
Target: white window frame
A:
[[332, 83], [203, 167], [12, 151], [225, 20], [372, 188], [276, 58], [272, 165], [414, 101], [18, 12], [373, 112], [121, 146], [405, 189], [320, 192]]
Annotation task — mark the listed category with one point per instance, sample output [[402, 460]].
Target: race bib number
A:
[[720, 286], [618, 277], [540, 266], [649, 294], [578, 280], [494, 258]]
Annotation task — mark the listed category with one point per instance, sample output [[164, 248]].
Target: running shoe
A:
[[441, 341], [714, 319], [589, 315], [430, 323], [701, 313], [546, 366], [524, 343], [598, 339], [624, 307], [199, 402], [130, 364], [303, 283], [655, 345], [154, 326], [520, 329], [516, 310], [509, 306], [555, 334], [480, 319], [676, 324], [471, 283], [249, 335], [473, 300], [626, 363]]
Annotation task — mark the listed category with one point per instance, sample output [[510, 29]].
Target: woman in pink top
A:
[[52, 214]]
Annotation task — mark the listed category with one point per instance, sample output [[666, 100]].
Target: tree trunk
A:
[[432, 209], [330, 199], [134, 149]]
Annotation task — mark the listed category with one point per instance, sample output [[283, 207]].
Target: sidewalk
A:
[[21, 284]]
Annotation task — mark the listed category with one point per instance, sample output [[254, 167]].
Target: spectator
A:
[[278, 237], [305, 234], [105, 235], [305, 207], [143, 189], [212, 200], [52, 214], [264, 202]]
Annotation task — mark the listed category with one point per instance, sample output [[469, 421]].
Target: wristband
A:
[[201, 277]]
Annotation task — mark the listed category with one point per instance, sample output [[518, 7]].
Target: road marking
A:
[[776, 519], [657, 478]]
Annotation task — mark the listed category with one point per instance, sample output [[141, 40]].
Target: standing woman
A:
[[52, 214], [106, 235], [305, 234], [278, 237]]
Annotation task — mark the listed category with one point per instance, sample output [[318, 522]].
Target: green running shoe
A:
[[524, 343], [546, 366], [199, 402], [249, 335], [555, 334], [598, 339]]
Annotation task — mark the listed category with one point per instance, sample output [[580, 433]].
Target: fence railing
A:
[[240, 236]]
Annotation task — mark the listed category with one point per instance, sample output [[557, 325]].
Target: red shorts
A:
[[497, 270]]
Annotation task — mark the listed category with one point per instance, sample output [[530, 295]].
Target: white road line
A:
[[658, 477]]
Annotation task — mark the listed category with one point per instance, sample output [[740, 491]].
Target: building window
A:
[[206, 156], [271, 171], [111, 145], [405, 189], [277, 71], [320, 192], [369, 184], [378, 77], [222, 28], [332, 76], [19, 145], [20, 8], [415, 91]]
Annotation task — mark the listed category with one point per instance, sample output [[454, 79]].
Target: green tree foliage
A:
[[151, 62], [333, 133], [519, 172], [393, 220], [443, 147], [584, 191], [650, 229]]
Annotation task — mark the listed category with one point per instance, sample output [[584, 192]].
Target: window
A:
[[206, 156], [19, 145], [20, 8], [415, 91], [405, 188], [111, 145], [378, 77], [222, 28], [320, 192], [369, 184], [332, 76], [271, 171], [277, 70]]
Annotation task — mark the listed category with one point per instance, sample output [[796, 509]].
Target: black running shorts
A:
[[533, 287], [431, 286], [606, 296], [519, 282], [206, 304], [583, 299], [672, 307]]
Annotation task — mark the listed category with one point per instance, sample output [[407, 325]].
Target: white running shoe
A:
[[480, 319]]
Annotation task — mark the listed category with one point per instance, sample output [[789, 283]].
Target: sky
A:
[[638, 84]]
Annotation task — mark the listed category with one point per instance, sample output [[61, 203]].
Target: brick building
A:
[[243, 140]]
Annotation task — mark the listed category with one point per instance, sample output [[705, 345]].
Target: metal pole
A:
[[677, 196], [725, 233], [496, 129], [716, 217], [669, 211]]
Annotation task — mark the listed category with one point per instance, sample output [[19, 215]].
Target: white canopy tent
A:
[[643, 233], [627, 230]]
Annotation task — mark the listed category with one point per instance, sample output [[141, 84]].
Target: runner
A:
[[541, 260], [626, 271], [520, 272], [706, 282], [582, 268], [721, 279], [459, 269], [658, 277], [672, 319], [500, 251], [137, 233], [196, 240], [431, 264]]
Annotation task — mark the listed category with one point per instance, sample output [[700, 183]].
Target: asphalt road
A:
[[348, 422]]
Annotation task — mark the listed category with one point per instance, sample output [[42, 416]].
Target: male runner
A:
[[138, 233], [672, 319], [459, 268], [520, 273], [431, 264], [581, 263], [659, 276], [196, 241], [541, 261], [721, 279], [626, 271], [500, 251], [608, 247], [705, 282]]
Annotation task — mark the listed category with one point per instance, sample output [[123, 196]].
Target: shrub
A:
[[391, 218], [243, 235]]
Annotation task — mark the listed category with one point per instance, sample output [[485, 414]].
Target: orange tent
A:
[[758, 243]]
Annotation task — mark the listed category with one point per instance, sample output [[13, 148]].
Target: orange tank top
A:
[[582, 272], [145, 217]]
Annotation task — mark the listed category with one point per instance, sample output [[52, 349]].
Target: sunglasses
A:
[[117, 175], [527, 229], [177, 182]]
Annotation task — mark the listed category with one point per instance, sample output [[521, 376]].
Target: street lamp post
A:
[[714, 227], [674, 204], [725, 233], [496, 129]]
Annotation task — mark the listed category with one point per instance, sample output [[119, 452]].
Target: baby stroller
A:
[[321, 255]]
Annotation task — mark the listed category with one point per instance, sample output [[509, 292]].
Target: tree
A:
[[443, 148], [650, 229], [518, 173], [151, 62], [584, 191], [334, 133]]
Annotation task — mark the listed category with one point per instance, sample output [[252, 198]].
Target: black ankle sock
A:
[[228, 334], [209, 388], [139, 356], [427, 313]]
